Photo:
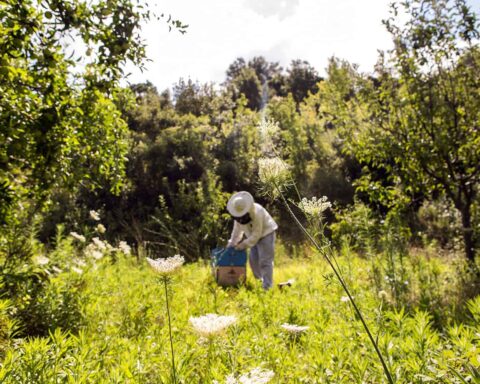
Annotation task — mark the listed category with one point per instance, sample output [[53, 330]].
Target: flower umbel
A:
[[255, 376], [315, 206], [295, 329], [94, 215], [78, 237], [124, 247], [166, 266], [269, 130], [274, 174], [211, 324]]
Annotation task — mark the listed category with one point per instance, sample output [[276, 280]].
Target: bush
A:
[[440, 222], [44, 294], [358, 226]]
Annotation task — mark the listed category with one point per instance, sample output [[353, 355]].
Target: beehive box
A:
[[229, 266], [230, 275], [223, 257]]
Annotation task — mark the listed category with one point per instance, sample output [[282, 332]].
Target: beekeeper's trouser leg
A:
[[261, 260]]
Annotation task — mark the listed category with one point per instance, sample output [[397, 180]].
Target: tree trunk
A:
[[468, 240]]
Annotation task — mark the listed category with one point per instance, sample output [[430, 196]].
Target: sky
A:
[[280, 30]]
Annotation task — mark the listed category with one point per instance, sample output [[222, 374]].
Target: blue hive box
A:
[[227, 257]]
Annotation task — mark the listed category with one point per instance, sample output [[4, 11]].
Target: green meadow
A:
[[123, 334]]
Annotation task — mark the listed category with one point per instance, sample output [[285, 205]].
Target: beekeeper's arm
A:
[[236, 235], [250, 241]]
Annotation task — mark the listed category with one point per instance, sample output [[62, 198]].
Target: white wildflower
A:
[[274, 174], [268, 131], [109, 246], [42, 260], [101, 245], [80, 263], [124, 247], [92, 251], [268, 128], [256, 376], [345, 299], [211, 324], [94, 215], [168, 265], [77, 270], [101, 228], [315, 207], [295, 329], [78, 237]]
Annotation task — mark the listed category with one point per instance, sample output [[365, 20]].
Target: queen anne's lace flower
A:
[[168, 265], [78, 237], [295, 329], [101, 228], [101, 245], [255, 376], [274, 175], [124, 247], [94, 215], [269, 130], [42, 260], [92, 251], [315, 207], [211, 324]]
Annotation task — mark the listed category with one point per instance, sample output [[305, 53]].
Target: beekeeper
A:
[[254, 228]]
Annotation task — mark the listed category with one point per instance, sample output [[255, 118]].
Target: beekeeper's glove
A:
[[230, 244]]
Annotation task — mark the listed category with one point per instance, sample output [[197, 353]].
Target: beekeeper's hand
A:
[[230, 244], [240, 246]]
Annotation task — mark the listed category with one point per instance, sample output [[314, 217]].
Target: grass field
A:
[[124, 337]]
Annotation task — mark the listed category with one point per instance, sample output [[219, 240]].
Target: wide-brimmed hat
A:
[[240, 203]]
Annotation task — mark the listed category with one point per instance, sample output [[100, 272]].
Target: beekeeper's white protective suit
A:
[[253, 228]]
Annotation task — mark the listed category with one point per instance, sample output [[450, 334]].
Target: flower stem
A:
[[342, 282], [170, 331]]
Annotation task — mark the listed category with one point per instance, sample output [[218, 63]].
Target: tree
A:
[[423, 116], [248, 84], [60, 123], [302, 78], [258, 80], [192, 97]]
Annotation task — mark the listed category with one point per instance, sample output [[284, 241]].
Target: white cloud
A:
[[281, 30], [282, 9]]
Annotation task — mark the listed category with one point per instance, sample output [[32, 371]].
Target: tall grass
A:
[[126, 337]]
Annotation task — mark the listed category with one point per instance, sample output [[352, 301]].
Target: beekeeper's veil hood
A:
[[240, 203]]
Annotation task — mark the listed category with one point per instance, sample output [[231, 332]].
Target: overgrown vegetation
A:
[[125, 336], [90, 170]]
